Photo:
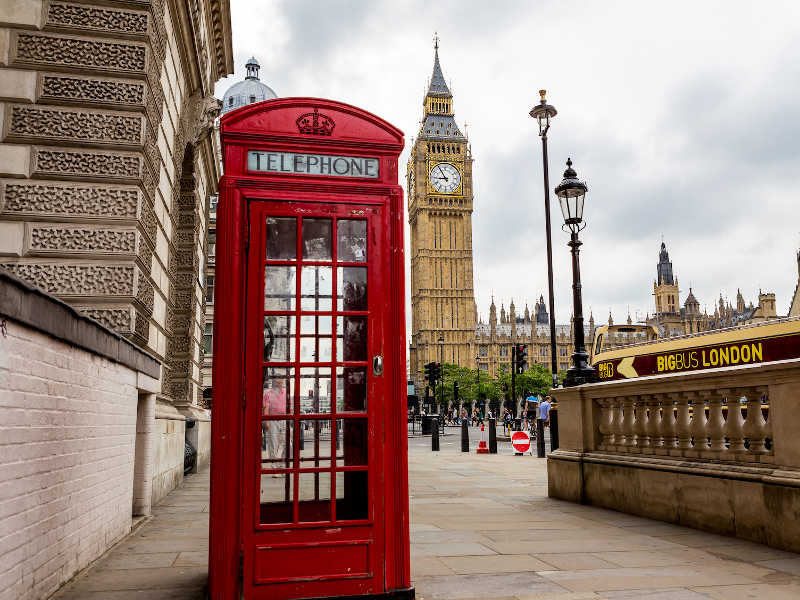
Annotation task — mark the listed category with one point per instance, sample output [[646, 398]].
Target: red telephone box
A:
[[309, 481]]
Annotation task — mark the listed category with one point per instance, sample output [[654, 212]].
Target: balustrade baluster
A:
[[640, 424], [667, 427], [697, 429], [764, 391], [735, 423], [715, 427], [616, 427], [654, 422], [683, 421], [606, 423], [754, 424], [628, 421]]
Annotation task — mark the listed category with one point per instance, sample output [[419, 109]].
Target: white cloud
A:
[[681, 117]]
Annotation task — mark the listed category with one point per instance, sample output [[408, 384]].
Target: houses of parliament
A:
[[444, 321]]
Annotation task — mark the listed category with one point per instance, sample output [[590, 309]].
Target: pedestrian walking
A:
[[544, 411]]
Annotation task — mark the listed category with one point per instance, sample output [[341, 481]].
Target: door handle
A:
[[377, 365]]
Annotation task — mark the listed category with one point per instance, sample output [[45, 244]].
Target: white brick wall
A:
[[67, 438]]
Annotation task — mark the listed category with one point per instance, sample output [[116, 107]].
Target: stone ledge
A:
[[27, 304], [703, 468]]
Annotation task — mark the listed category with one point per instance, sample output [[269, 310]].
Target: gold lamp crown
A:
[[542, 93]]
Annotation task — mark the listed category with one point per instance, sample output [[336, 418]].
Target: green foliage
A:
[[474, 384]]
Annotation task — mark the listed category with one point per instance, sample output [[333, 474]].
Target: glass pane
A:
[[276, 444], [281, 238], [351, 389], [352, 450], [352, 338], [310, 352], [315, 443], [278, 395], [315, 497], [276, 498], [278, 338], [351, 288], [315, 390], [317, 239], [316, 288], [280, 287], [351, 239], [353, 506], [316, 325]]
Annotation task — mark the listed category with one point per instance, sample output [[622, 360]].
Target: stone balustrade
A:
[[720, 424], [717, 450]]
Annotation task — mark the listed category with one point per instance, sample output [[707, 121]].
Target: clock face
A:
[[445, 178]]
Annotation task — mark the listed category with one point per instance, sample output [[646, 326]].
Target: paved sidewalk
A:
[[167, 557], [482, 526]]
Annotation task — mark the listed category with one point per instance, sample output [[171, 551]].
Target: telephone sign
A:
[[309, 432]]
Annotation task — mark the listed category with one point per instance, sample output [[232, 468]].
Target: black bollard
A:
[[302, 437], [540, 452], [517, 424], [492, 437], [434, 434], [553, 430], [464, 435]]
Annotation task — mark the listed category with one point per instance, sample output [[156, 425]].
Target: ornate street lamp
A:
[[571, 193], [543, 112]]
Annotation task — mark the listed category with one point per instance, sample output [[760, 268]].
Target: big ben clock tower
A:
[[439, 176]]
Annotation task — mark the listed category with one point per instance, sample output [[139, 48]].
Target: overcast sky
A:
[[682, 117]]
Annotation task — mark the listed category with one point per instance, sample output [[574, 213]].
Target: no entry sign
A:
[[520, 442]]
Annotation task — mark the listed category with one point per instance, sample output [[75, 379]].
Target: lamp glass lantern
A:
[[571, 193], [543, 112]]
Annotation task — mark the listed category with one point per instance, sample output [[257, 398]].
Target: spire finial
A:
[[542, 93], [436, 40]]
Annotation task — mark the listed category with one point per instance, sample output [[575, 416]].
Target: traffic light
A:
[[521, 356], [428, 370], [436, 371]]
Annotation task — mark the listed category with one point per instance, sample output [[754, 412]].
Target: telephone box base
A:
[[408, 593]]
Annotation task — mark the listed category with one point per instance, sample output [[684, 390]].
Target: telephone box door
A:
[[313, 512]]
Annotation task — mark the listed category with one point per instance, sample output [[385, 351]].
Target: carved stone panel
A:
[[85, 163], [119, 319], [96, 19], [63, 124], [73, 88], [79, 280], [81, 240], [39, 49], [57, 199]]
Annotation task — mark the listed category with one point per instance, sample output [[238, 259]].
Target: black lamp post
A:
[[571, 193], [441, 361], [543, 112]]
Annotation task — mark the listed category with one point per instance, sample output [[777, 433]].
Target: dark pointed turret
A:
[[664, 267]]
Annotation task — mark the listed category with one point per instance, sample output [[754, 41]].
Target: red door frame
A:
[[278, 126]]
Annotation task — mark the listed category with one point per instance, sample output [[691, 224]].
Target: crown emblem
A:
[[315, 124]]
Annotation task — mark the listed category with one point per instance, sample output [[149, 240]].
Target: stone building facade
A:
[[672, 319], [107, 164]]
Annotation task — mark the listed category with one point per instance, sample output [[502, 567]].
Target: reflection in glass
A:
[[317, 239], [278, 395], [314, 494], [276, 497], [353, 449], [278, 338], [276, 444], [315, 390], [315, 325], [351, 337], [353, 506], [351, 239], [315, 447], [281, 238], [280, 287], [316, 288], [315, 349], [351, 389], [351, 288]]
